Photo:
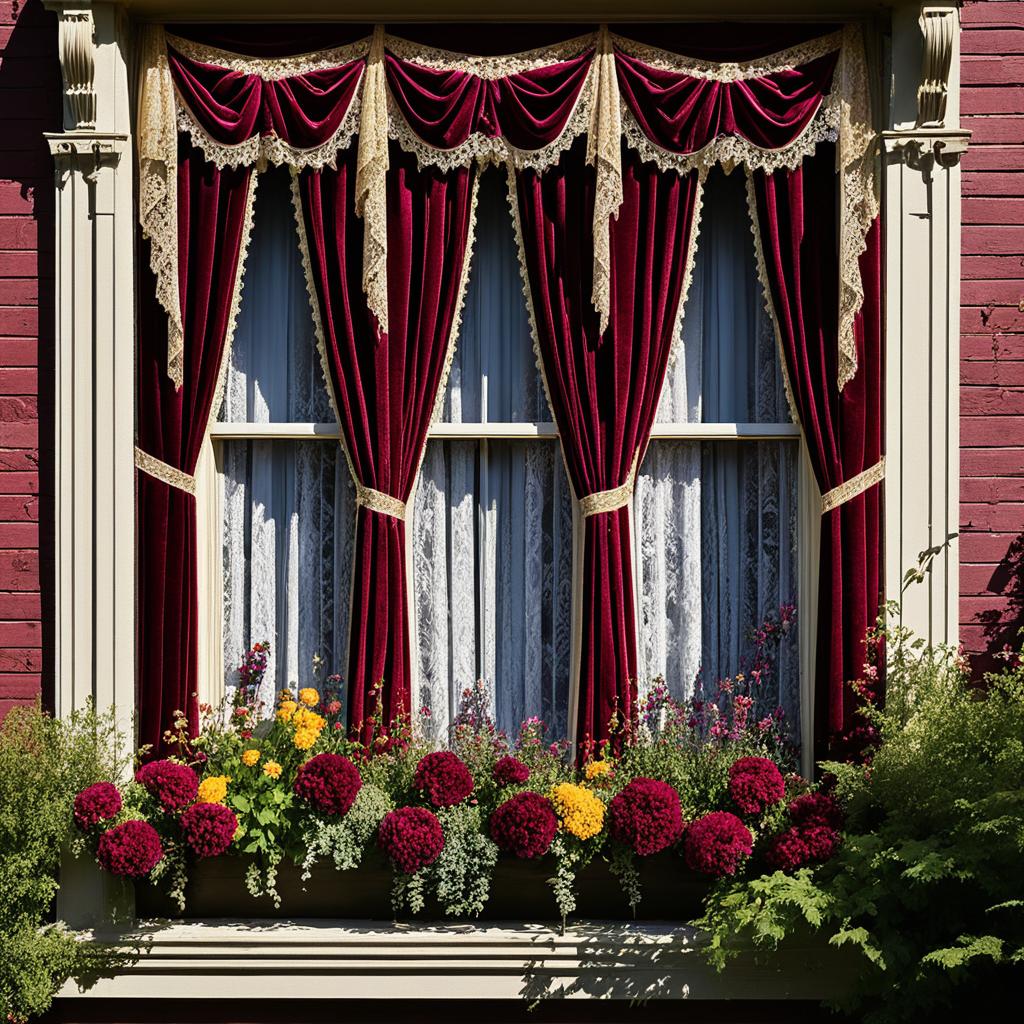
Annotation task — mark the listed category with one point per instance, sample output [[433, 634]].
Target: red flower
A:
[[130, 850], [329, 783], [646, 816], [208, 829], [96, 803], [173, 784], [510, 771], [524, 825], [755, 783], [443, 779], [411, 837], [816, 809], [717, 844], [801, 845]]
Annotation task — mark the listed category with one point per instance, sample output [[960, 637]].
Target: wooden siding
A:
[[992, 326], [30, 103]]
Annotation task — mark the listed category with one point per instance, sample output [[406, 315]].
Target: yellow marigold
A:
[[286, 710], [305, 737], [595, 769], [309, 696], [306, 719], [272, 769], [250, 757], [581, 811], [213, 789]]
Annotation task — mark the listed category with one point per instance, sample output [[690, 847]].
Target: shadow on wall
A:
[[30, 104], [1002, 625]]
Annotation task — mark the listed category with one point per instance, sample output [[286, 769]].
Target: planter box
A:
[[519, 892]]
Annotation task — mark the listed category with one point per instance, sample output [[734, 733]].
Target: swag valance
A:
[[607, 141]]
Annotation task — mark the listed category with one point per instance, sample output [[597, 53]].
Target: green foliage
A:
[[461, 876], [43, 764], [346, 840], [928, 885]]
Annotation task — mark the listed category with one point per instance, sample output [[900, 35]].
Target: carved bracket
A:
[[938, 25], [78, 65], [918, 149], [85, 152]]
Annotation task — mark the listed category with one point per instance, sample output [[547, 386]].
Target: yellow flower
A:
[[306, 719], [581, 811], [272, 769], [306, 737], [213, 789], [309, 696], [286, 710], [250, 757], [595, 769], [284, 696]]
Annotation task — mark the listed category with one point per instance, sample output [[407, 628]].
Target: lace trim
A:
[[485, 149], [612, 499], [732, 151], [270, 68], [162, 471], [488, 67], [769, 305], [378, 501], [691, 262], [236, 296], [604, 151], [371, 182], [158, 186], [259, 150], [728, 71], [855, 485]]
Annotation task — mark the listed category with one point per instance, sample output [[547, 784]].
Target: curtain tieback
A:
[[851, 488], [378, 501], [164, 472], [610, 500]]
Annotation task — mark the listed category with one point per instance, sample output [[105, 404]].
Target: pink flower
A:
[[411, 837], [525, 825], [130, 850], [717, 844], [646, 816], [443, 779], [208, 829], [98, 802], [755, 783], [510, 771], [816, 809], [329, 783], [174, 785]]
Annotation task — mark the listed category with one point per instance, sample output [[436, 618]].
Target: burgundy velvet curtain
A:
[[604, 390], [798, 233], [385, 391], [171, 425]]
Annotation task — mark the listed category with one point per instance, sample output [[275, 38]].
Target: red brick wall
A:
[[992, 328], [30, 102]]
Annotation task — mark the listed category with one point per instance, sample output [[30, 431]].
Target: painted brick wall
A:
[[30, 103], [992, 329]]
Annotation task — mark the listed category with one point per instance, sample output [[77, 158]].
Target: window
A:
[[714, 512]]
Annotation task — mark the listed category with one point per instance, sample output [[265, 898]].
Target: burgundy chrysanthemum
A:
[[524, 825], [510, 771], [131, 849], [801, 845], [646, 816], [98, 802], [329, 783], [411, 837], [717, 844], [816, 809], [443, 778], [821, 841], [755, 783], [173, 784], [208, 829]]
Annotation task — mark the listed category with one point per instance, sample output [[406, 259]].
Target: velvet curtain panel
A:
[[604, 389], [385, 390], [843, 430], [212, 213]]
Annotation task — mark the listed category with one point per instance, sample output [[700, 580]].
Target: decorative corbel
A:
[[938, 26], [78, 66]]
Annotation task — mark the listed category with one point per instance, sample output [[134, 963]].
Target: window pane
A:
[[727, 369], [716, 556], [274, 372], [494, 377], [492, 545], [289, 515]]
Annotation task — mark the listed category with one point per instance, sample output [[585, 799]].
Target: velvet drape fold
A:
[[843, 430], [385, 390], [171, 426], [604, 390]]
